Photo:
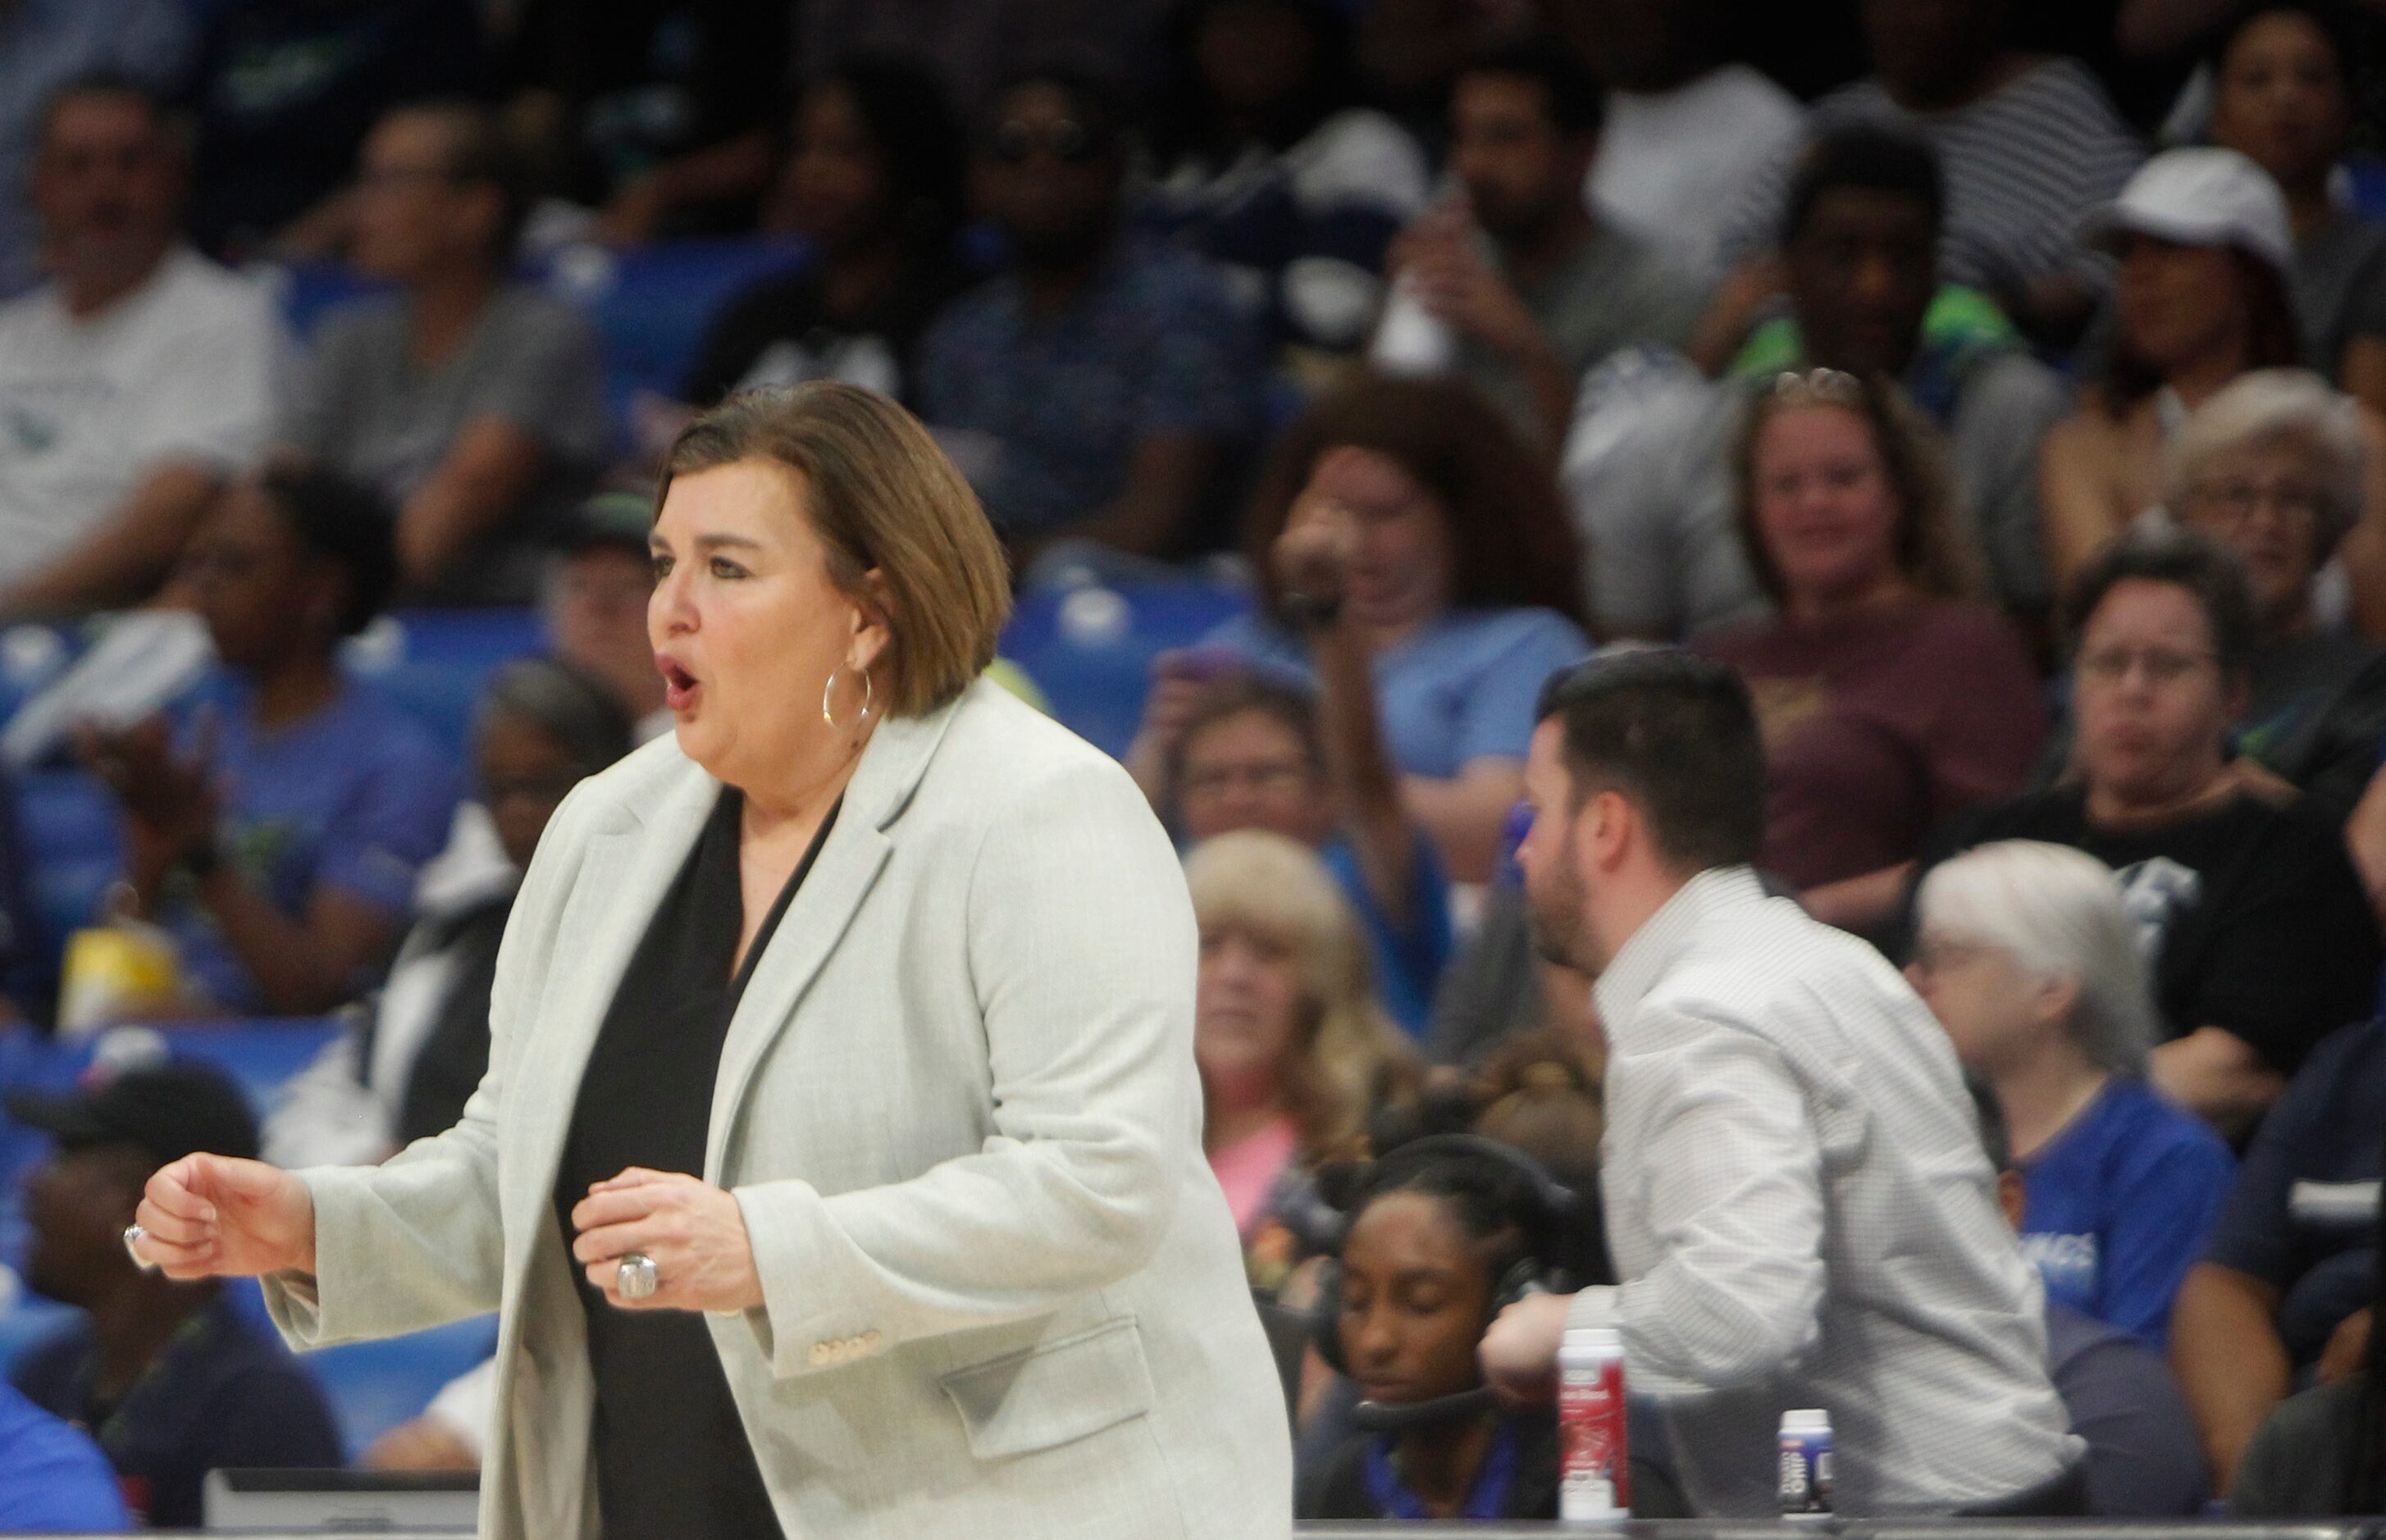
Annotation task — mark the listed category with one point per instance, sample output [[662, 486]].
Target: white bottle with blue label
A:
[[1806, 1465]]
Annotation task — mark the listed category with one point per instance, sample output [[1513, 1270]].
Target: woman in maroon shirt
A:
[[1888, 695]]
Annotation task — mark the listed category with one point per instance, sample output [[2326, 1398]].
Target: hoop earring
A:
[[869, 699]]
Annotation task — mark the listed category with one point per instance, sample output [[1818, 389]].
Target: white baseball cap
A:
[[2204, 197]]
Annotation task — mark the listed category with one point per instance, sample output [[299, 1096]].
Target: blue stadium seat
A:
[[2369, 175], [74, 844], [434, 663], [653, 304], [1090, 649], [374, 1387]]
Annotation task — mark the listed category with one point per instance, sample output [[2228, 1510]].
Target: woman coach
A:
[[906, 972]]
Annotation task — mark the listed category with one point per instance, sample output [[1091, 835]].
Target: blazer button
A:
[[820, 1351]]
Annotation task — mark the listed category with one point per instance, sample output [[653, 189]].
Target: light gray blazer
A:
[[958, 1106]]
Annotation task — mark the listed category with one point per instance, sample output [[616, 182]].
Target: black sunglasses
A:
[[1072, 144]]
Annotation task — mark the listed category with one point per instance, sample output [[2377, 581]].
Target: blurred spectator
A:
[[1294, 1052], [44, 47], [1655, 496], [2283, 97], [874, 183], [285, 92], [53, 1478], [593, 603], [2286, 1292], [974, 45], [1442, 1234], [1535, 288], [1686, 132], [2142, 1458], [2318, 1454], [404, 1069], [2273, 467], [136, 379], [1265, 162], [1404, 537], [656, 111], [1098, 387], [1890, 699], [473, 403], [173, 1380], [2030, 144], [279, 838], [2258, 930], [2028, 959], [1250, 754], [2206, 253], [1410, 53]]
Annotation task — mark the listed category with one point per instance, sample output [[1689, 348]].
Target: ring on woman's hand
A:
[[134, 1236], [637, 1277]]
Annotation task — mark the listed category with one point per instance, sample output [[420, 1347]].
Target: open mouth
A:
[[679, 686]]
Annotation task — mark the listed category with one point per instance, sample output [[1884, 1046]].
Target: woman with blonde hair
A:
[[1294, 1050], [2033, 964], [1889, 694]]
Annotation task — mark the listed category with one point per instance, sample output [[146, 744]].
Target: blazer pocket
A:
[[1054, 1392]]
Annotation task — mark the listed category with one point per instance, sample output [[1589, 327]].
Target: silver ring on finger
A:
[[134, 1236], [637, 1277]]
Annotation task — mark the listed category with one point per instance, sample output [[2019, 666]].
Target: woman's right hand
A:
[[208, 1216]]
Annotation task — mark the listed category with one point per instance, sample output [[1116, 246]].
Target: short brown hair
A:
[[1935, 555], [1511, 545], [1249, 692], [880, 495]]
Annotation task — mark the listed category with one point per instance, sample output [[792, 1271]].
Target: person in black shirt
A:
[[1439, 1232], [2261, 935], [172, 1378], [874, 182]]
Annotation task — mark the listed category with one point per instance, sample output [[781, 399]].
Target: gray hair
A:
[[2292, 406], [566, 703], [2059, 913]]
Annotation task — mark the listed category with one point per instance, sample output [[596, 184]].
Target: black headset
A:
[[1553, 1206]]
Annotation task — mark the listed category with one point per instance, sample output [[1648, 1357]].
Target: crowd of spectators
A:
[[1998, 394]]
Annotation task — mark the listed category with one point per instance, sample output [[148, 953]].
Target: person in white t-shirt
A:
[[133, 382], [1686, 134]]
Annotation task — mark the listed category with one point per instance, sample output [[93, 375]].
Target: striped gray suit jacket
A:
[[958, 1106]]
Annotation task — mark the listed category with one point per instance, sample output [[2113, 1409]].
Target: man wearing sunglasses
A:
[[1094, 388]]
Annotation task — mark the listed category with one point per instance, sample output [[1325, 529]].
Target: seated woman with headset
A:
[[1442, 1234]]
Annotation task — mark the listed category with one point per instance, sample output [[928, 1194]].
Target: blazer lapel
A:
[[823, 908], [624, 875]]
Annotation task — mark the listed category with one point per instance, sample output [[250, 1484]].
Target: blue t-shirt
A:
[[1408, 960], [220, 1395], [2303, 1214], [2119, 1205], [357, 796], [1462, 689], [53, 1478], [1153, 346]]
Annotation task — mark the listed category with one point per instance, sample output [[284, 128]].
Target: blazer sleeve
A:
[[417, 1241], [1082, 951]]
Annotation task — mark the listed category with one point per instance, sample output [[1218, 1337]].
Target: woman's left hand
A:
[[694, 1233]]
